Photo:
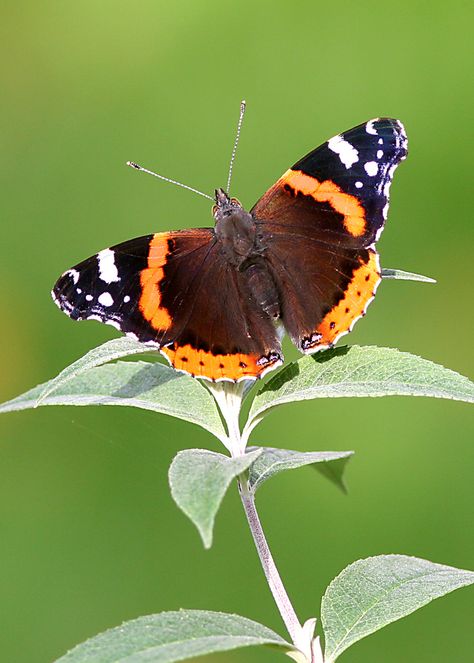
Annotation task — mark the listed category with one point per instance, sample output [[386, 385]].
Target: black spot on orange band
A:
[[201, 363], [359, 293]]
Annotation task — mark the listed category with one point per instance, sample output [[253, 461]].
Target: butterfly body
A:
[[244, 248], [303, 257]]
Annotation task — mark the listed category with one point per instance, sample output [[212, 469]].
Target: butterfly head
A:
[[235, 227], [225, 206]]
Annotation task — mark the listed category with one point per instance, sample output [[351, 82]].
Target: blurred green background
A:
[[89, 536]]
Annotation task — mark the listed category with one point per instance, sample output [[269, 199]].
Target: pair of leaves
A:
[[341, 372], [365, 597], [199, 478]]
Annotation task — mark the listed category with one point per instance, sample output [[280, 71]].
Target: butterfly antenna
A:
[[167, 179], [236, 142]]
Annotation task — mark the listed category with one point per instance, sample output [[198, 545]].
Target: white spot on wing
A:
[[386, 188], [105, 299], [108, 271], [126, 299], [379, 154], [380, 141], [89, 298], [369, 127], [346, 152], [74, 274], [371, 168], [358, 185]]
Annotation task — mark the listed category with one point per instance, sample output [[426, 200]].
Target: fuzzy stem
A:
[[269, 568], [229, 397]]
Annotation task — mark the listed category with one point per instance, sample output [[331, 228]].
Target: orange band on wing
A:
[[150, 277], [358, 295], [218, 367], [328, 192]]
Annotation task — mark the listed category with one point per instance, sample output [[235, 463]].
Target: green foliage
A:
[[199, 479], [103, 354], [146, 385], [173, 636], [341, 372], [358, 371], [373, 592], [366, 596], [330, 464], [405, 276]]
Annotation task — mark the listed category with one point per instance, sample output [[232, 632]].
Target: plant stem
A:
[[269, 568], [229, 397]]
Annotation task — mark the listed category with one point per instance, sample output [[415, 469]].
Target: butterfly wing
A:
[[176, 292], [319, 224]]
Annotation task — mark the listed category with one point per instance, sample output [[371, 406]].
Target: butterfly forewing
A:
[[319, 223], [174, 291]]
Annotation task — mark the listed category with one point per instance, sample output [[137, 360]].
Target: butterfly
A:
[[214, 300]]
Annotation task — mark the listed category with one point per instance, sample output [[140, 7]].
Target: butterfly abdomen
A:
[[262, 287]]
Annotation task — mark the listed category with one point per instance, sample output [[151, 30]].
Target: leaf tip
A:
[[206, 538]]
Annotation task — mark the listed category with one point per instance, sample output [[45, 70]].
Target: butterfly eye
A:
[[235, 202]]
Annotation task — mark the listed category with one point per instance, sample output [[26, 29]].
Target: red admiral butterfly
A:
[[211, 299]]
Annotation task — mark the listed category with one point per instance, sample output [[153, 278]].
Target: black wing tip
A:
[[63, 294], [380, 123]]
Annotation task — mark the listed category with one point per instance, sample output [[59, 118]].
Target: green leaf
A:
[[115, 349], [147, 385], [272, 461], [357, 371], [405, 276], [173, 636], [334, 471], [199, 480], [374, 592]]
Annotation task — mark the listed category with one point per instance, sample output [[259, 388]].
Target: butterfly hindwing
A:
[[321, 219], [175, 291]]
